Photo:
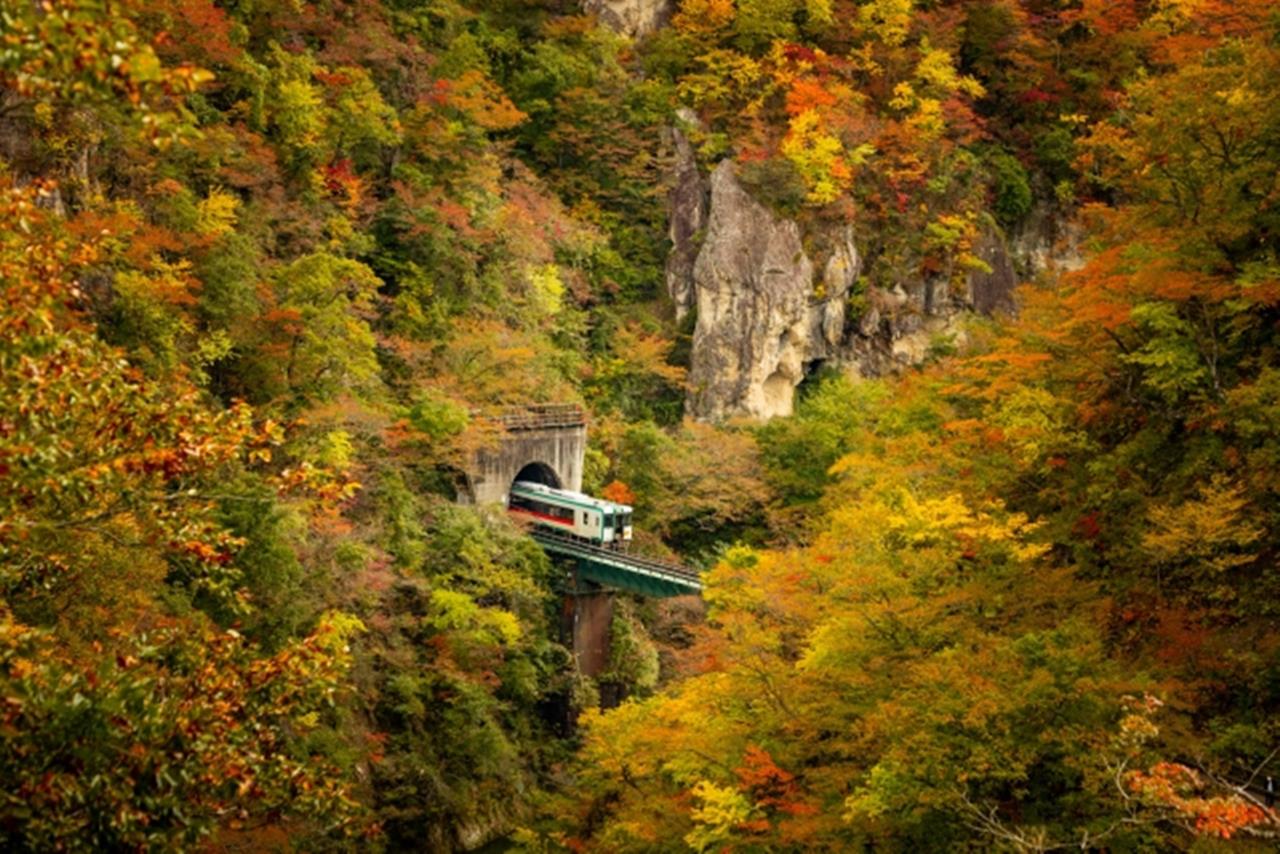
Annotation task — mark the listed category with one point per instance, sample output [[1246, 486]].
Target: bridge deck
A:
[[620, 570]]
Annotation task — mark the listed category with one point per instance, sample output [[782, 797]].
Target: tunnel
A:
[[539, 473], [551, 456]]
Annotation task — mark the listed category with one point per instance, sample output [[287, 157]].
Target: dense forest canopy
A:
[[271, 267]]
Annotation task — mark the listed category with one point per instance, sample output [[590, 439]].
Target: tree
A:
[[181, 732], [110, 484]]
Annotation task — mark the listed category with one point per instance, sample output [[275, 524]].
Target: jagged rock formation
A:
[[687, 204], [765, 316], [632, 18], [900, 328], [762, 317], [771, 303]]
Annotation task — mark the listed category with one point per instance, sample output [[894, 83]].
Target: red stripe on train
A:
[[556, 519]]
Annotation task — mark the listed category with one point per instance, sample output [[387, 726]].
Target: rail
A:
[[673, 575]]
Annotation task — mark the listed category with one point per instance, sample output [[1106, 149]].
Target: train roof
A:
[[528, 486]]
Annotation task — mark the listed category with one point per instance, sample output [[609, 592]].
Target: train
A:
[[593, 520]]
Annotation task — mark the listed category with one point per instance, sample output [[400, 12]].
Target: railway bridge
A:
[[547, 443]]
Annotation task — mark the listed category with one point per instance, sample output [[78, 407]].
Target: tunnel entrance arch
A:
[[543, 443], [537, 472]]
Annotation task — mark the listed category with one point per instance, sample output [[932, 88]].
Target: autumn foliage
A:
[[269, 269]]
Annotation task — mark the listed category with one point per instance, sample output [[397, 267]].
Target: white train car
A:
[[603, 523]]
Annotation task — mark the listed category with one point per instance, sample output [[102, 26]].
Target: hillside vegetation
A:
[[270, 267]]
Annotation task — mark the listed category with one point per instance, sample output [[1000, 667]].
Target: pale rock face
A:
[[632, 18], [841, 271], [761, 316], [687, 208], [914, 347], [768, 311]]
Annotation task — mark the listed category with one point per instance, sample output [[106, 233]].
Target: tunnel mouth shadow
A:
[[538, 473]]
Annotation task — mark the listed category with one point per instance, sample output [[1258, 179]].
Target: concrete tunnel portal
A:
[[544, 444]]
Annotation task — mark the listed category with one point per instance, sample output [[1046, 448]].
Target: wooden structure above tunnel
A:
[[545, 443]]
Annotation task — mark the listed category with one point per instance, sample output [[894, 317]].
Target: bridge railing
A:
[[538, 416], [653, 565]]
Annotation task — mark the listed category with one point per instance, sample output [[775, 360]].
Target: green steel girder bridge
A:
[[621, 571]]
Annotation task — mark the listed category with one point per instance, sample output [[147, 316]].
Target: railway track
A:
[[612, 566]]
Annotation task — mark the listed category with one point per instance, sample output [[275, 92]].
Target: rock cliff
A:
[[687, 204], [772, 303], [632, 18], [762, 316]]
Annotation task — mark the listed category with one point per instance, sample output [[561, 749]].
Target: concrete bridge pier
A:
[[587, 617]]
